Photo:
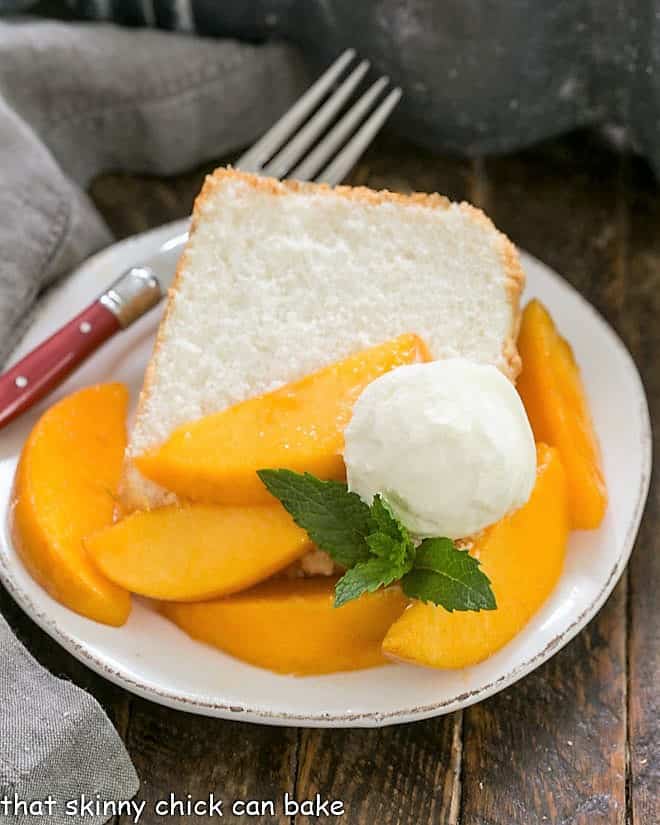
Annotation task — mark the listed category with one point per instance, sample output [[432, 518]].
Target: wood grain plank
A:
[[552, 748], [642, 300], [407, 774], [135, 203], [193, 756], [394, 164]]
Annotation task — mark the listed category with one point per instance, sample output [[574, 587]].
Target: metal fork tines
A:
[[319, 138]]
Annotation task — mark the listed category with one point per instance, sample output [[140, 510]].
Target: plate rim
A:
[[261, 715]]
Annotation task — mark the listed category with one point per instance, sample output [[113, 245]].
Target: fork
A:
[[320, 138], [291, 160]]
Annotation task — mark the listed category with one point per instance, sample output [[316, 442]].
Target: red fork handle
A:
[[50, 363]]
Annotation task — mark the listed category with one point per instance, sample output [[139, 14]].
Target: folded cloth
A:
[[55, 742], [76, 100]]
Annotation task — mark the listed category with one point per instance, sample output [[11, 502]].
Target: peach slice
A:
[[522, 555], [291, 626], [299, 426], [65, 488], [197, 552], [552, 392]]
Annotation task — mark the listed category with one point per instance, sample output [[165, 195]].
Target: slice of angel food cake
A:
[[331, 465], [280, 280]]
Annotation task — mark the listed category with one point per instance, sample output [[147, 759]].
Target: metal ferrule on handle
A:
[[131, 295]]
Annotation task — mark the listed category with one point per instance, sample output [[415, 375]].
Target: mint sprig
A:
[[388, 538], [376, 547], [365, 577]]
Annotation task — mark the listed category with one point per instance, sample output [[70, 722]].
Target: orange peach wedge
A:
[[552, 392], [299, 426], [522, 555], [197, 552], [65, 488], [291, 626]]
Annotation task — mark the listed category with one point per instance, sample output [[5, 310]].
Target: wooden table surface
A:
[[578, 740]]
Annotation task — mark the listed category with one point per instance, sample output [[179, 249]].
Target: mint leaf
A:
[[390, 539], [448, 577], [383, 546], [384, 519], [365, 577], [337, 521]]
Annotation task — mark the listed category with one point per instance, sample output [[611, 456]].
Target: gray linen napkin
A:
[[76, 100], [54, 740]]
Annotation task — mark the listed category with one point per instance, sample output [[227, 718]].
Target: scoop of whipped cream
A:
[[446, 443]]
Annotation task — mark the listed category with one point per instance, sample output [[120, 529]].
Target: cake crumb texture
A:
[[281, 279]]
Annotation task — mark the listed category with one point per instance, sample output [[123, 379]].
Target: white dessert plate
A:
[[152, 658]]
